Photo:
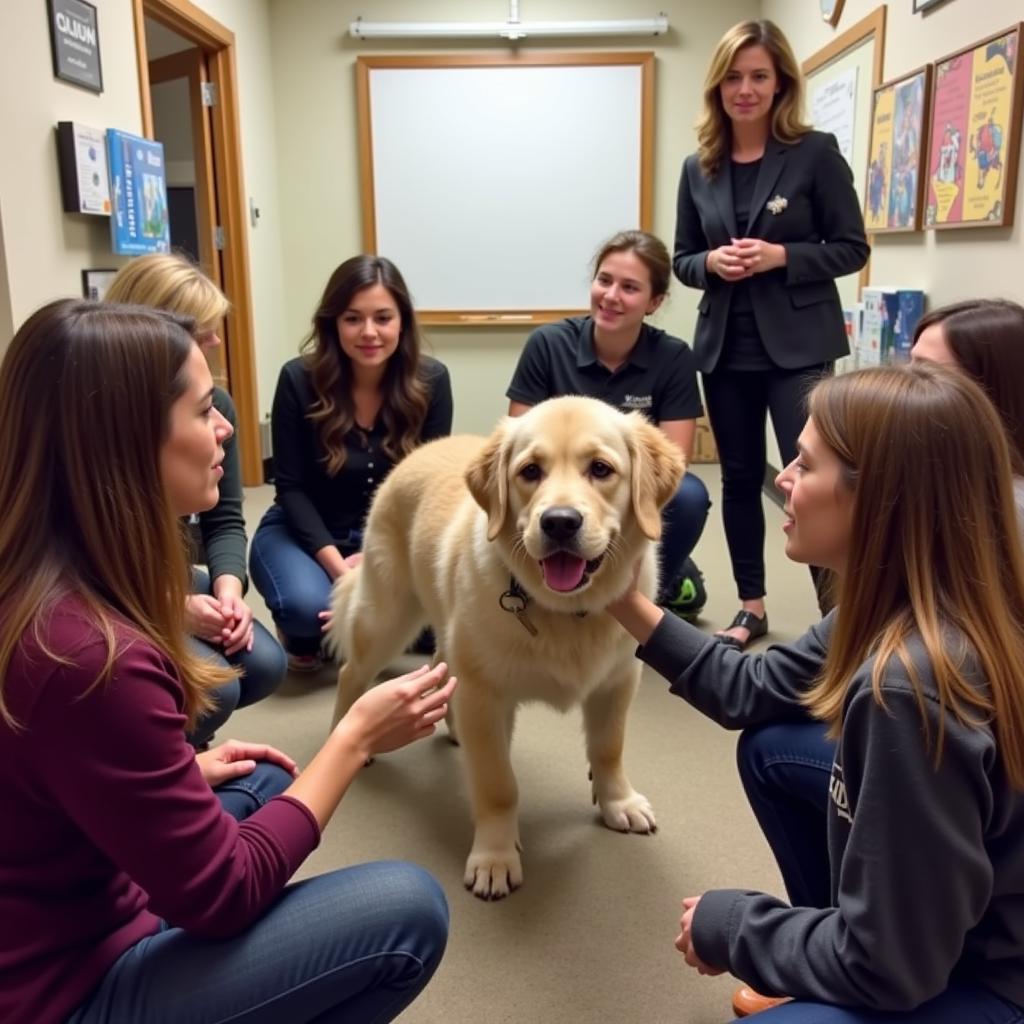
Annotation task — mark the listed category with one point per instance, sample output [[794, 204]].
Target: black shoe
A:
[[687, 596], [756, 627]]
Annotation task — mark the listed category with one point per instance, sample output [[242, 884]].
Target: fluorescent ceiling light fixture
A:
[[505, 29]]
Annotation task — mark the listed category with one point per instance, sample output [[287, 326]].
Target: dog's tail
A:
[[337, 638]]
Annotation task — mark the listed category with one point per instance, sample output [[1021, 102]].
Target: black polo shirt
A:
[[658, 379]]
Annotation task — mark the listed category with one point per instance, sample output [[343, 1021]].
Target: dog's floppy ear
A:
[[487, 479], [657, 469]]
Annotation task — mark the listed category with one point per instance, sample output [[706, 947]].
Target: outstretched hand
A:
[[399, 711]]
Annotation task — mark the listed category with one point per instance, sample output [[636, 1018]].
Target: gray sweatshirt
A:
[[927, 865]]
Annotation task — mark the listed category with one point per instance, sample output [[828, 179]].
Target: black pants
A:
[[738, 404]]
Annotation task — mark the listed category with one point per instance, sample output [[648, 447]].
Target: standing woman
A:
[[359, 400], [139, 880], [767, 220], [216, 614], [615, 355]]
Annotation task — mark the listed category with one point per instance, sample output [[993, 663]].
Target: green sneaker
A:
[[687, 596]]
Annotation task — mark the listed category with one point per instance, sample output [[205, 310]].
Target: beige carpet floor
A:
[[589, 936]]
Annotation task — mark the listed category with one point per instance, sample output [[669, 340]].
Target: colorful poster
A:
[[138, 186], [894, 166], [973, 121], [879, 161]]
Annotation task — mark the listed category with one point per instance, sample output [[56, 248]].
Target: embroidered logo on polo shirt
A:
[[637, 401]]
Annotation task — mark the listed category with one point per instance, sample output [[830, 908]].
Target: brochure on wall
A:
[[833, 107], [138, 186], [82, 153]]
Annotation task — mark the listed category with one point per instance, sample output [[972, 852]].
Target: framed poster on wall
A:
[[899, 127], [974, 138], [138, 189]]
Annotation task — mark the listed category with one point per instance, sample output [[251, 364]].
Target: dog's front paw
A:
[[493, 874], [630, 814]]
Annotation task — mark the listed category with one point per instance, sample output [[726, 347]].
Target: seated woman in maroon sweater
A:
[[125, 853]]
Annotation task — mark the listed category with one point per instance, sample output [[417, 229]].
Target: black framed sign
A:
[[75, 43]]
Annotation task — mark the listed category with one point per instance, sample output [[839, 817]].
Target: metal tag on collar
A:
[[515, 600]]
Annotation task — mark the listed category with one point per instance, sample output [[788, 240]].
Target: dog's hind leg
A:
[[604, 719]]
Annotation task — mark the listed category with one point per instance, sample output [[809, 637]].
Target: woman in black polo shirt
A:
[[359, 400], [615, 356]]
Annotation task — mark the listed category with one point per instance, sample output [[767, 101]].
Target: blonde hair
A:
[[935, 550], [172, 282], [714, 132], [86, 391]]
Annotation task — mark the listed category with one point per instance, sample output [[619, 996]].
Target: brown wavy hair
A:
[[714, 129], [86, 391], [986, 337], [404, 406], [935, 551]]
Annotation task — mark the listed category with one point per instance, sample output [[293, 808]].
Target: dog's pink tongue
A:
[[563, 571]]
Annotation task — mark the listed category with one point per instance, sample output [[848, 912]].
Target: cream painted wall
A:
[[317, 155], [948, 265], [45, 249], [250, 22]]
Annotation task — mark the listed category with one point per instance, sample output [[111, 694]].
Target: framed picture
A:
[[96, 282], [974, 138], [924, 5], [894, 192], [75, 43]]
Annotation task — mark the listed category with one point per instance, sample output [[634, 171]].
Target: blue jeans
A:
[[263, 669], [785, 770], [682, 522], [354, 945], [959, 1004], [293, 583]]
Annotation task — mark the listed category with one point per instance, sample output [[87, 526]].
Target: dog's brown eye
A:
[[600, 469], [530, 472]]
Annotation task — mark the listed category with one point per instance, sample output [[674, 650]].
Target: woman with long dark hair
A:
[[358, 401], [141, 880]]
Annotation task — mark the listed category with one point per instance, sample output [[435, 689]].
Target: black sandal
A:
[[757, 626]]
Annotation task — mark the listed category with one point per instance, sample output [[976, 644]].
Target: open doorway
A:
[[188, 90]]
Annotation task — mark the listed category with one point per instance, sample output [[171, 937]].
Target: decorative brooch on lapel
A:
[[777, 204]]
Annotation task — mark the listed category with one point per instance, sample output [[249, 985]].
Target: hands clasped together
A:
[[744, 257]]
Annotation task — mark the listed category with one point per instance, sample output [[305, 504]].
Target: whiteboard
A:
[[491, 185]]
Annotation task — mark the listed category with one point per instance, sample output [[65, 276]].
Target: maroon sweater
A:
[[107, 825]]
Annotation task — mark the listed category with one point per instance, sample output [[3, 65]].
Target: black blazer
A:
[[819, 221]]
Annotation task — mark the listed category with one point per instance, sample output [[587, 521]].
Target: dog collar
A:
[[515, 600]]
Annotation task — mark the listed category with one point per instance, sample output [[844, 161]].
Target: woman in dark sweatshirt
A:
[[905, 907]]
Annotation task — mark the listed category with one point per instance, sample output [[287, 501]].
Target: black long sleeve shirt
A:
[[322, 509]]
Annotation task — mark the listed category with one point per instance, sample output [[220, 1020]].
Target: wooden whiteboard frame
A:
[[871, 27], [365, 65]]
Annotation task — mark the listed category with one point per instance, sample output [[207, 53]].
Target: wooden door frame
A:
[[218, 45], [190, 65]]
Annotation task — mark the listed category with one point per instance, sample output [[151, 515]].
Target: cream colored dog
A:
[[511, 548]]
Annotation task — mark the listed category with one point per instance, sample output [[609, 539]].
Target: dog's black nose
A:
[[561, 522]]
